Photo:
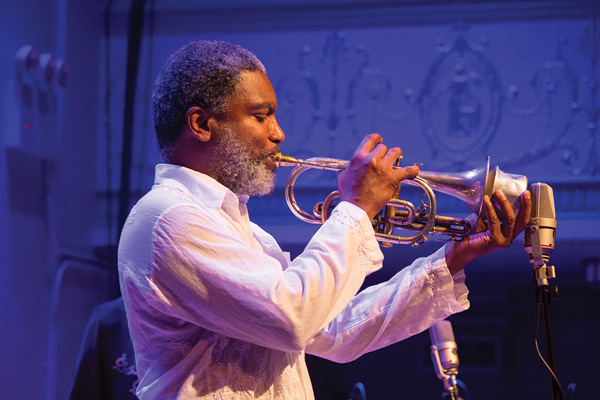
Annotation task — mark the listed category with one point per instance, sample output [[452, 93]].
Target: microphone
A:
[[444, 354], [540, 233]]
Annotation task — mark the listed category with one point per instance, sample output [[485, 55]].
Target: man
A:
[[106, 363], [216, 310]]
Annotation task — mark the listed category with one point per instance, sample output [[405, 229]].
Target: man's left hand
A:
[[500, 230]]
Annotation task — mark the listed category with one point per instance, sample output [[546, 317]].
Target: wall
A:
[[450, 84], [47, 166]]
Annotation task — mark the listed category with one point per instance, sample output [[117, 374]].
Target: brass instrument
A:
[[469, 187]]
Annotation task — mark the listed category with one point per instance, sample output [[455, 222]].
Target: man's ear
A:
[[200, 123]]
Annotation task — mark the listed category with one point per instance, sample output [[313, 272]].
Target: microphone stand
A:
[[543, 295]]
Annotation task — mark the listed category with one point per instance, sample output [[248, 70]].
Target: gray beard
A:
[[238, 169]]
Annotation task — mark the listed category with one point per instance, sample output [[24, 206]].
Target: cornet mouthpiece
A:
[[282, 160]]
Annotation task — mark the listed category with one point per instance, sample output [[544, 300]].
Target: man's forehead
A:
[[255, 90]]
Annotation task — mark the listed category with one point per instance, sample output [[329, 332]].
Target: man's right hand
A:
[[370, 179]]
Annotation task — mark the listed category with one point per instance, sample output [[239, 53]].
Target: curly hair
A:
[[203, 74]]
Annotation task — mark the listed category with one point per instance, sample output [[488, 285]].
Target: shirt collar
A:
[[200, 186]]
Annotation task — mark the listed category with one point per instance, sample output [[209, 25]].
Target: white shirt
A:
[[217, 311]]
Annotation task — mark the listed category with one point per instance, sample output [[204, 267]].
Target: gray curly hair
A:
[[203, 74]]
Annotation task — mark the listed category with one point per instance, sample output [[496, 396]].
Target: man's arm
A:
[[415, 298]]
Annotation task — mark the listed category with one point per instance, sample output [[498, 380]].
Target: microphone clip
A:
[[543, 273], [447, 376], [539, 254]]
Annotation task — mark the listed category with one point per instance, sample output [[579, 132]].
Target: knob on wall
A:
[[44, 71]]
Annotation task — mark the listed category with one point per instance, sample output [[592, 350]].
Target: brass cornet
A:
[[469, 187]]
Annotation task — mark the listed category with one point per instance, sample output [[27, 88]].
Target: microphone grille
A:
[[542, 201], [441, 332]]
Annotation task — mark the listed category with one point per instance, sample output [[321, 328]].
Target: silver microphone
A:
[[444, 354], [541, 231]]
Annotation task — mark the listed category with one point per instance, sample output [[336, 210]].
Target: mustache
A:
[[269, 153], [273, 152]]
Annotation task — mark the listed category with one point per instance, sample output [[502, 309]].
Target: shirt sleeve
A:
[[414, 299], [204, 273]]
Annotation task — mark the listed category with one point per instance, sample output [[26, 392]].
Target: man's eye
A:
[[260, 118]]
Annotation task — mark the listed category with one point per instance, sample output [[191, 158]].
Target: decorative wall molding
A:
[[272, 15], [461, 104]]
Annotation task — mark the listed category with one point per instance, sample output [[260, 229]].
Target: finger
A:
[[392, 155], [473, 220], [482, 223], [507, 214], [492, 217], [408, 172], [524, 213], [368, 143], [379, 152]]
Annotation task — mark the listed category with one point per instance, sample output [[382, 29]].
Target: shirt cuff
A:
[[461, 291], [453, 287]]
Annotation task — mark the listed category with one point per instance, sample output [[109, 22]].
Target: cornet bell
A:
[[471, 186], [512, 185]]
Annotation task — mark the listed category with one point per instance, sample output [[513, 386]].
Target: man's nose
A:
[[276, 134]]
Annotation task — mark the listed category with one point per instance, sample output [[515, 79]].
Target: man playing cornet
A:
[[216, 310]]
